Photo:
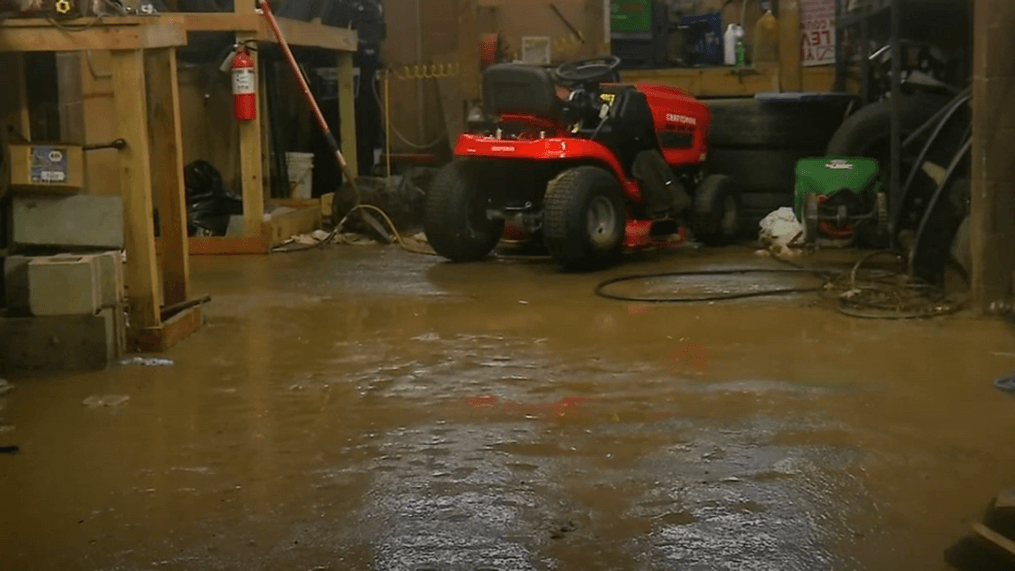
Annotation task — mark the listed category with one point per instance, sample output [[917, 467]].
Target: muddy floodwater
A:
[[369, 409]]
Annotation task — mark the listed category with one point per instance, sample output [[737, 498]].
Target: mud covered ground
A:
[[367, 409]]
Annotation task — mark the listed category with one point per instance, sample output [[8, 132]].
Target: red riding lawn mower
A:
[[583, 164]]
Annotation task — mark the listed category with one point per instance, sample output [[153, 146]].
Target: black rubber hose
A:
[[601, 288]]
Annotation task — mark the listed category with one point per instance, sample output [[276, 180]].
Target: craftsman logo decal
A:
[[839, 165], [502, 149], [682, 119]]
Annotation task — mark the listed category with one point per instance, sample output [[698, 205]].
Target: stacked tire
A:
[[757, 143]]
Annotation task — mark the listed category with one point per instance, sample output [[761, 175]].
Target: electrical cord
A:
[[873, 294], [387, 121], [336, 232]]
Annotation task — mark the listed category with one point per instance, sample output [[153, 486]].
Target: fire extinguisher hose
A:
[[309, 96]]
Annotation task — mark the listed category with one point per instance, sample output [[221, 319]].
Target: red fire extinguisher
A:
[[244, 86]]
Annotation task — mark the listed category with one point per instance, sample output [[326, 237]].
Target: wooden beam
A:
[[991, 233], [251, 166], [469, 75], [136, 188], [710, 82], [14, 110], [170, 333], [47, 38], [347, 110], [791, 72], [296, 32], [308, 34], [281, 227], [167, 167], [999, 542]]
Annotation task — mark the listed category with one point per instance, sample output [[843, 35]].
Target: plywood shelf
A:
[[39, 35], [164, 30]]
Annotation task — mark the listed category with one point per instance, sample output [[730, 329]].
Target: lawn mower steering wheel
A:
[[586, 71]]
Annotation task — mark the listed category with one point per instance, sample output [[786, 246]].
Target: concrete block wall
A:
[[76, 222]]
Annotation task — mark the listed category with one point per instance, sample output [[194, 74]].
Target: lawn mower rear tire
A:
[[716, 220], [455, 219], [584, 219]]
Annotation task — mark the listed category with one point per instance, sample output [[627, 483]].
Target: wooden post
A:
[[167, 167], [13, 109], [347, 110], [250, 163], [468, 51], [991, 232], [136, 188], [596, 40], [791, 74]]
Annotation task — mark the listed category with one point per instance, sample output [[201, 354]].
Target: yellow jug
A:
[[766, 40]]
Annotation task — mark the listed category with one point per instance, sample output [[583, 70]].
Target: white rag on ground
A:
[[781, 228]]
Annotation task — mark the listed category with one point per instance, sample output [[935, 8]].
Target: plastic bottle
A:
[[734, 33], [741, 52], [766, 40]]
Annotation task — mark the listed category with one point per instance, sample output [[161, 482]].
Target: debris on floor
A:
[[9, 449], [5, 387], [147, 361], [105, 401], [6, 427], [779, 231], [1006, 384]]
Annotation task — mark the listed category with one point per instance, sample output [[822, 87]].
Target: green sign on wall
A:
[[631, 16]]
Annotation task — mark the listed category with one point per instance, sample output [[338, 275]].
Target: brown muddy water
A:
[[367, 409]]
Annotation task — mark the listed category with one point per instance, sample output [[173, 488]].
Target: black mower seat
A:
[[517, 88]]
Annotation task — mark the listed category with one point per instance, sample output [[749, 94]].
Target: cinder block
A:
[[57, 344], [110, 273], [77, 222], [64, 285], [16, 286]]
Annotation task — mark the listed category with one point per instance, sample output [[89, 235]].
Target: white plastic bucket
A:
[[301, 177]]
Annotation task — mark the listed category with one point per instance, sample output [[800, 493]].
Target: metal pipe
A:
[[935, 119], [895, 202], [950, 110], [935, 198], [387, 120], [420, 103]]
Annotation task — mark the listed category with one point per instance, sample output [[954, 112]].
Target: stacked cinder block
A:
[[63, 284]]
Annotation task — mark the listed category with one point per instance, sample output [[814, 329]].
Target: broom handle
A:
[[266, 10]]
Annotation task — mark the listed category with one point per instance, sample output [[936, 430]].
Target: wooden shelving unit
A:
[[143, 56]]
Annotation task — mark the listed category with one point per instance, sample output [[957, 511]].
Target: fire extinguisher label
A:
[[243, 82]]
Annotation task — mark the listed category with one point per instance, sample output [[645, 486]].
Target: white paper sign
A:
[[817, 32]]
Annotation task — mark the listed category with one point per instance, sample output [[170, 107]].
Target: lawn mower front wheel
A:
[[455, 219], [584, 219]]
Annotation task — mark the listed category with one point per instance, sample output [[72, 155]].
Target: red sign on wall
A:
[[817, 32]]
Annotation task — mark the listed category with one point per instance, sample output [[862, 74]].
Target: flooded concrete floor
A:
[[365, 408]]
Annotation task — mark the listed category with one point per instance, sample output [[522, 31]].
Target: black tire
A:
[[742, 123], [867, 132], [716, 218], [584, 219], [758, 170], [455, 220]]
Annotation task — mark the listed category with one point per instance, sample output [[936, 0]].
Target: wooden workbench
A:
[[143, 56], [732, 82]]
